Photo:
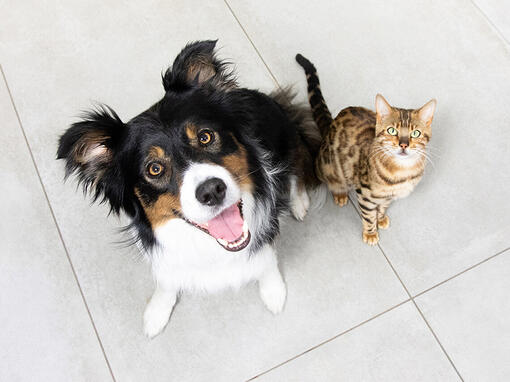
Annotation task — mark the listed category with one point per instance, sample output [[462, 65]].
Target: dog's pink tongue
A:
[[228, 225]]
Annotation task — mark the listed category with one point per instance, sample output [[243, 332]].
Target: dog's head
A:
[[181, 159]]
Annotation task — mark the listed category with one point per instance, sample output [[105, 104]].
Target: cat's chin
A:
[[405, 158]]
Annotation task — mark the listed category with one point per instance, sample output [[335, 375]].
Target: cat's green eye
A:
[[392, 131], [415, 133]]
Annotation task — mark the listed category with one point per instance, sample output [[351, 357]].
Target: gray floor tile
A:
[[62, 56], [497, 12], [459, 214], [470, 316], [396, 346], [46, 332]]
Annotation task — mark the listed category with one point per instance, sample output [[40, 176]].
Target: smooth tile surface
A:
[[459, 214], [61, 57], [46, 333], [396, 346], [470, 316], [497, 12]]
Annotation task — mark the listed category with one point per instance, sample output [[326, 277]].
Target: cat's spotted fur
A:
[[378, 154]]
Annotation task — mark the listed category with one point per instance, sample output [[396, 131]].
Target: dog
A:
[[204, 175]]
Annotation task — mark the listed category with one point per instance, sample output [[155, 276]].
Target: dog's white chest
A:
[[189, 259]]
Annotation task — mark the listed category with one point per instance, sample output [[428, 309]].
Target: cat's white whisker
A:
[[425, 155]]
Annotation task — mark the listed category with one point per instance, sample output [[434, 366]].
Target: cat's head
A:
[[403, 133]]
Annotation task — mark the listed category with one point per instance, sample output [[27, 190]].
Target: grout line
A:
[[252, 44], [432, 287], [489, 21], [55, 221], [462, 272], [331, 339], [437, 339], [421, 314]]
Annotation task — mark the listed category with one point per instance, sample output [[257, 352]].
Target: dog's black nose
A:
[[211, 192]]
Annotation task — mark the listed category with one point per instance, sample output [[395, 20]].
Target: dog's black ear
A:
[[90, 149], [197, 65]]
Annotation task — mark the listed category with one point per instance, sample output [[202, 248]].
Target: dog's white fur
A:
[[187, 259], [196, 174], [299, 200]]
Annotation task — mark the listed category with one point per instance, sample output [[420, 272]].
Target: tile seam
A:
[[252, 44], [352, 328], [422, 315], [488, 20], [59, 232]]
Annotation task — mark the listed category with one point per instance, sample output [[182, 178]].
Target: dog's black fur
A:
[[110, 155]]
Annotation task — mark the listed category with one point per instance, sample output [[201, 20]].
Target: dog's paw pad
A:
[[274, 297], [299, 205], [371, 238]]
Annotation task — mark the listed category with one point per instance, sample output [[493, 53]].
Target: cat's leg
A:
[[368, 209], [158, 310], [383, 221], [340, 193], [339, 187], [329, 172], [299, 200], [271, 285], [340, 198]]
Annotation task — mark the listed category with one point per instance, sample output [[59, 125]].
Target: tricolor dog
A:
[[204, 176]]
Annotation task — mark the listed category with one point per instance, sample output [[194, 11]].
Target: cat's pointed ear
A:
[[197, 65], [426, 112], [382, 107]]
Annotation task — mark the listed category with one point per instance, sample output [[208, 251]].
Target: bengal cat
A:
[[382, 154]]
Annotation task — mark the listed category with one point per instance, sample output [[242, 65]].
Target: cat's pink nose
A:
[[403, 145]]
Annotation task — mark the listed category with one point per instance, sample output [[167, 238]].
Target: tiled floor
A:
[[430, 303]]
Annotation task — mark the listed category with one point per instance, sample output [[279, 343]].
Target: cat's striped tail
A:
[[321, 113]]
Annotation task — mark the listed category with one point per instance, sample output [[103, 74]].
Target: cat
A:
[[381, 155]]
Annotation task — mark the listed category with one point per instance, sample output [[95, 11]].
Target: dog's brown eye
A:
[[155, 169], [205, 137]]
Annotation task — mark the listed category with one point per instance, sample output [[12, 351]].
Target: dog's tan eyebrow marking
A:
[[191, 131], [157, 152]]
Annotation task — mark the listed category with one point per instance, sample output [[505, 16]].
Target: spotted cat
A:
[[381, 155]]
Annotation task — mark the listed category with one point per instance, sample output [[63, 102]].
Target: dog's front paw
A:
[[155, 318], [273, 295], [299, 205]]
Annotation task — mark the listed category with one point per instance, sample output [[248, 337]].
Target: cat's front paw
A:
[[340, 199], [384, 222], [371, 238]]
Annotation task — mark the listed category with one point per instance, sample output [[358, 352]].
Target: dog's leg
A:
[[299, 200], [271, 285], [158, 310]]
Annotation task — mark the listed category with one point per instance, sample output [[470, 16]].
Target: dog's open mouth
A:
[[228, 228]]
